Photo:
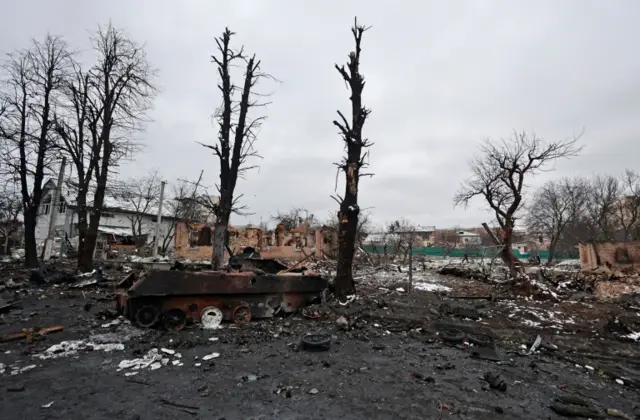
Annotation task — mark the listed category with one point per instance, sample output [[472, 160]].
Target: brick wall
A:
[[319, 240], [617, 255]]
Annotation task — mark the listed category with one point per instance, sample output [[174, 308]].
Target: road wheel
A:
[[211, 318], [242, 314], [147, 316], [174, 319]]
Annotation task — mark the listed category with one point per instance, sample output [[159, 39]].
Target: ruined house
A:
[[194, 241], [613, 255]]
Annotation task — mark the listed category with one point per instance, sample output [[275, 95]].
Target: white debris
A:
[[535, 345], [400, 289], [27, 368], [168, 351], [213, 339], [633, 336], [350, 298], [589, 367], [619, 381], [155, 366], [130, 373], [47, 405], [112, 323], [71, 348], [210, 356], [431, 287], [198, 364], [144, 362], [175, 362]]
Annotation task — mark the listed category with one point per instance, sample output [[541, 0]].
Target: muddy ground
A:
[[389, 362]]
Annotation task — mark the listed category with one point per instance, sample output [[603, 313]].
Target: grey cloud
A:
[[441, 76]]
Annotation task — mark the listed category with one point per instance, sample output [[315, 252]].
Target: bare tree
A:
[[296, 217], [499, 174], [364, 229], [76, 125], [30, 90], [10, 209], [351, 165], [626, 209], [604, 192], [141, 196], [236, 136], [185, 206], [121, 93], [555, 206], [402, 234]]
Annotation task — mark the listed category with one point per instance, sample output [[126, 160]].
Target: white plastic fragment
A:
[[535, 345], [619, 381], [210, 356], [168, 351], [47, 405]]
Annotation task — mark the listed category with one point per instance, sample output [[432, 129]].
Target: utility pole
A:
[[156, 240], [48, 243]]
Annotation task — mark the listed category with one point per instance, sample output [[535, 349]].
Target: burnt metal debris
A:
[[176, 298]]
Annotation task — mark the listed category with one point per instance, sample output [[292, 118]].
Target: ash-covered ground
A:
[[392, 355]]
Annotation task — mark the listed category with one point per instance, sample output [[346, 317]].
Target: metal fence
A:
[[476, 252]]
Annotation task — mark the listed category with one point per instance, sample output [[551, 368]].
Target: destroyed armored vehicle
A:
[[175, 298]]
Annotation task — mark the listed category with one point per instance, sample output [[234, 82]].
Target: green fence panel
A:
[[488, 252]]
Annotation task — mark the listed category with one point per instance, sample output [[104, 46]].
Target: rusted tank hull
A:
[[264, 295]]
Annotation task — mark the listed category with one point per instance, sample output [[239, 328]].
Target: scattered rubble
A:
[[555, 322]]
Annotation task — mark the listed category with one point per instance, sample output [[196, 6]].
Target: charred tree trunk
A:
[[552, 249], [85, 261], [507, 251], [232, 154], [352, 135], [81, 211], [30, 245]]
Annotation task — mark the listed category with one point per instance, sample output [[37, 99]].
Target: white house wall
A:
[[66, 223], [42, 222]]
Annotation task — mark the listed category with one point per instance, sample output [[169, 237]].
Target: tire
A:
[[174, 319], [316, 342], [481, 340], [452, 336], [242, 314], [147, 316]]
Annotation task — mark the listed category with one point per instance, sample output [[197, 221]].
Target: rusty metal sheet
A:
[[181, 283]]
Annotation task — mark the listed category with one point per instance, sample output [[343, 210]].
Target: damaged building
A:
[[613, 255], [116, 229], [194, 241]]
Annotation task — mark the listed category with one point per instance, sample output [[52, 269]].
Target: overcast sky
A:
[[441, 75]]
